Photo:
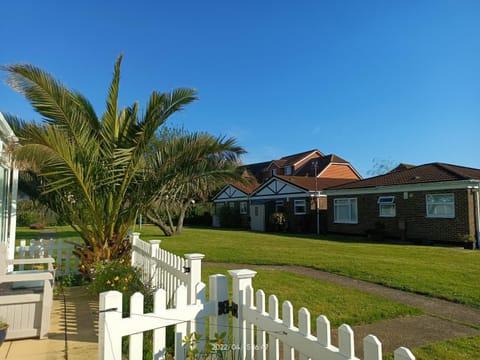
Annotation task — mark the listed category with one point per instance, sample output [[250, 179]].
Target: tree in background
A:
[[91, 169], [381, 166], [184, 168]]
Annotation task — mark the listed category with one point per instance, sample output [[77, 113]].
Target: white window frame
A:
[[243, 207], [297, 205], [352, 205], [432, 205], [386, 206], [231, 204], [274, 171], [288, 170], [279, 204]]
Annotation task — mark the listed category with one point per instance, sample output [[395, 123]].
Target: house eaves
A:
[[428, 186]]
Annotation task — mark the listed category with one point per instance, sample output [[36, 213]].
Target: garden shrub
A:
[[119, 275]]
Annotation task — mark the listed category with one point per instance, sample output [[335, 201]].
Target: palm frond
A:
[[110, 116]]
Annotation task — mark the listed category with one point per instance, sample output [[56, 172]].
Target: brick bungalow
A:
[[428, 203], [299, 200], [291, 185]]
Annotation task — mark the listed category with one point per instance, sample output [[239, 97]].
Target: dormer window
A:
[[288, 170], [274, 172]]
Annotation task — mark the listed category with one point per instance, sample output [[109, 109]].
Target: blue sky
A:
[[385, 81]]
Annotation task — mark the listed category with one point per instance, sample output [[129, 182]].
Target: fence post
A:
[[218, 285], [241, 280], [134, 238], [194, 267], [110, 313]]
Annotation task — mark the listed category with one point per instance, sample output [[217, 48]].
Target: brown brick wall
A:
[[411, 213]]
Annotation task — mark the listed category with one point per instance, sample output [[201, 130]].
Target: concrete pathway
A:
[[73, 331], [441, 320]]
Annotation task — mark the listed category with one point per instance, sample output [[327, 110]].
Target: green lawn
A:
[[24, 233], [441, 272], [454, 349], [340, 305], [448, 273]]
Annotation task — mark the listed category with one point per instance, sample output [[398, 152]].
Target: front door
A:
[[257, 217]]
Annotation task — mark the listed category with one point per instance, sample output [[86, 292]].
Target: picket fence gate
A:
[[60, 249], [257, 332], [112, 327]]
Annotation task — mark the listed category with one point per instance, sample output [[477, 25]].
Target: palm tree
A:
[[91, 169], [184, 168]]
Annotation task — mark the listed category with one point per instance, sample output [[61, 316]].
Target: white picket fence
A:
[[112, 327], [257, 332], [164, 270], [59, 249]]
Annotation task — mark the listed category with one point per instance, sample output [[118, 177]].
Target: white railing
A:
[[164, 270], [59, 249], [258, 331]]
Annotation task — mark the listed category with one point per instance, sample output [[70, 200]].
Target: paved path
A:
[[441, 319]]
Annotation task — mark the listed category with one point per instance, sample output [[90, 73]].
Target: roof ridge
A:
[[451, 168]]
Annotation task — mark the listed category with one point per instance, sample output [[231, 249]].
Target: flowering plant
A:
[[117, 275]]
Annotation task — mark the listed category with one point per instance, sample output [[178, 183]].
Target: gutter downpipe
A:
[[477, 215]]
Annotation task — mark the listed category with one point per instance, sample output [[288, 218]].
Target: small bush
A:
[[118, 275], [121, 276]]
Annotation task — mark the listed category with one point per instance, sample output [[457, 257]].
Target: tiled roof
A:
[[246, 188], [257, 169], [308, 168], [427, 173], [292, 159], [401, 167], [308, 183]]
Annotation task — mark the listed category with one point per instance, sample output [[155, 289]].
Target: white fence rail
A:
[[164, 270], [59, 249]]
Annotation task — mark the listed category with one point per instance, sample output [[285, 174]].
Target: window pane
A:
[[345, 210], [299, 207], [387, 210], [243, 207], [440, 205], [279, 207]]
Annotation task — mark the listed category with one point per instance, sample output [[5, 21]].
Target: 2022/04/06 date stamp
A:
[[236, 347]]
